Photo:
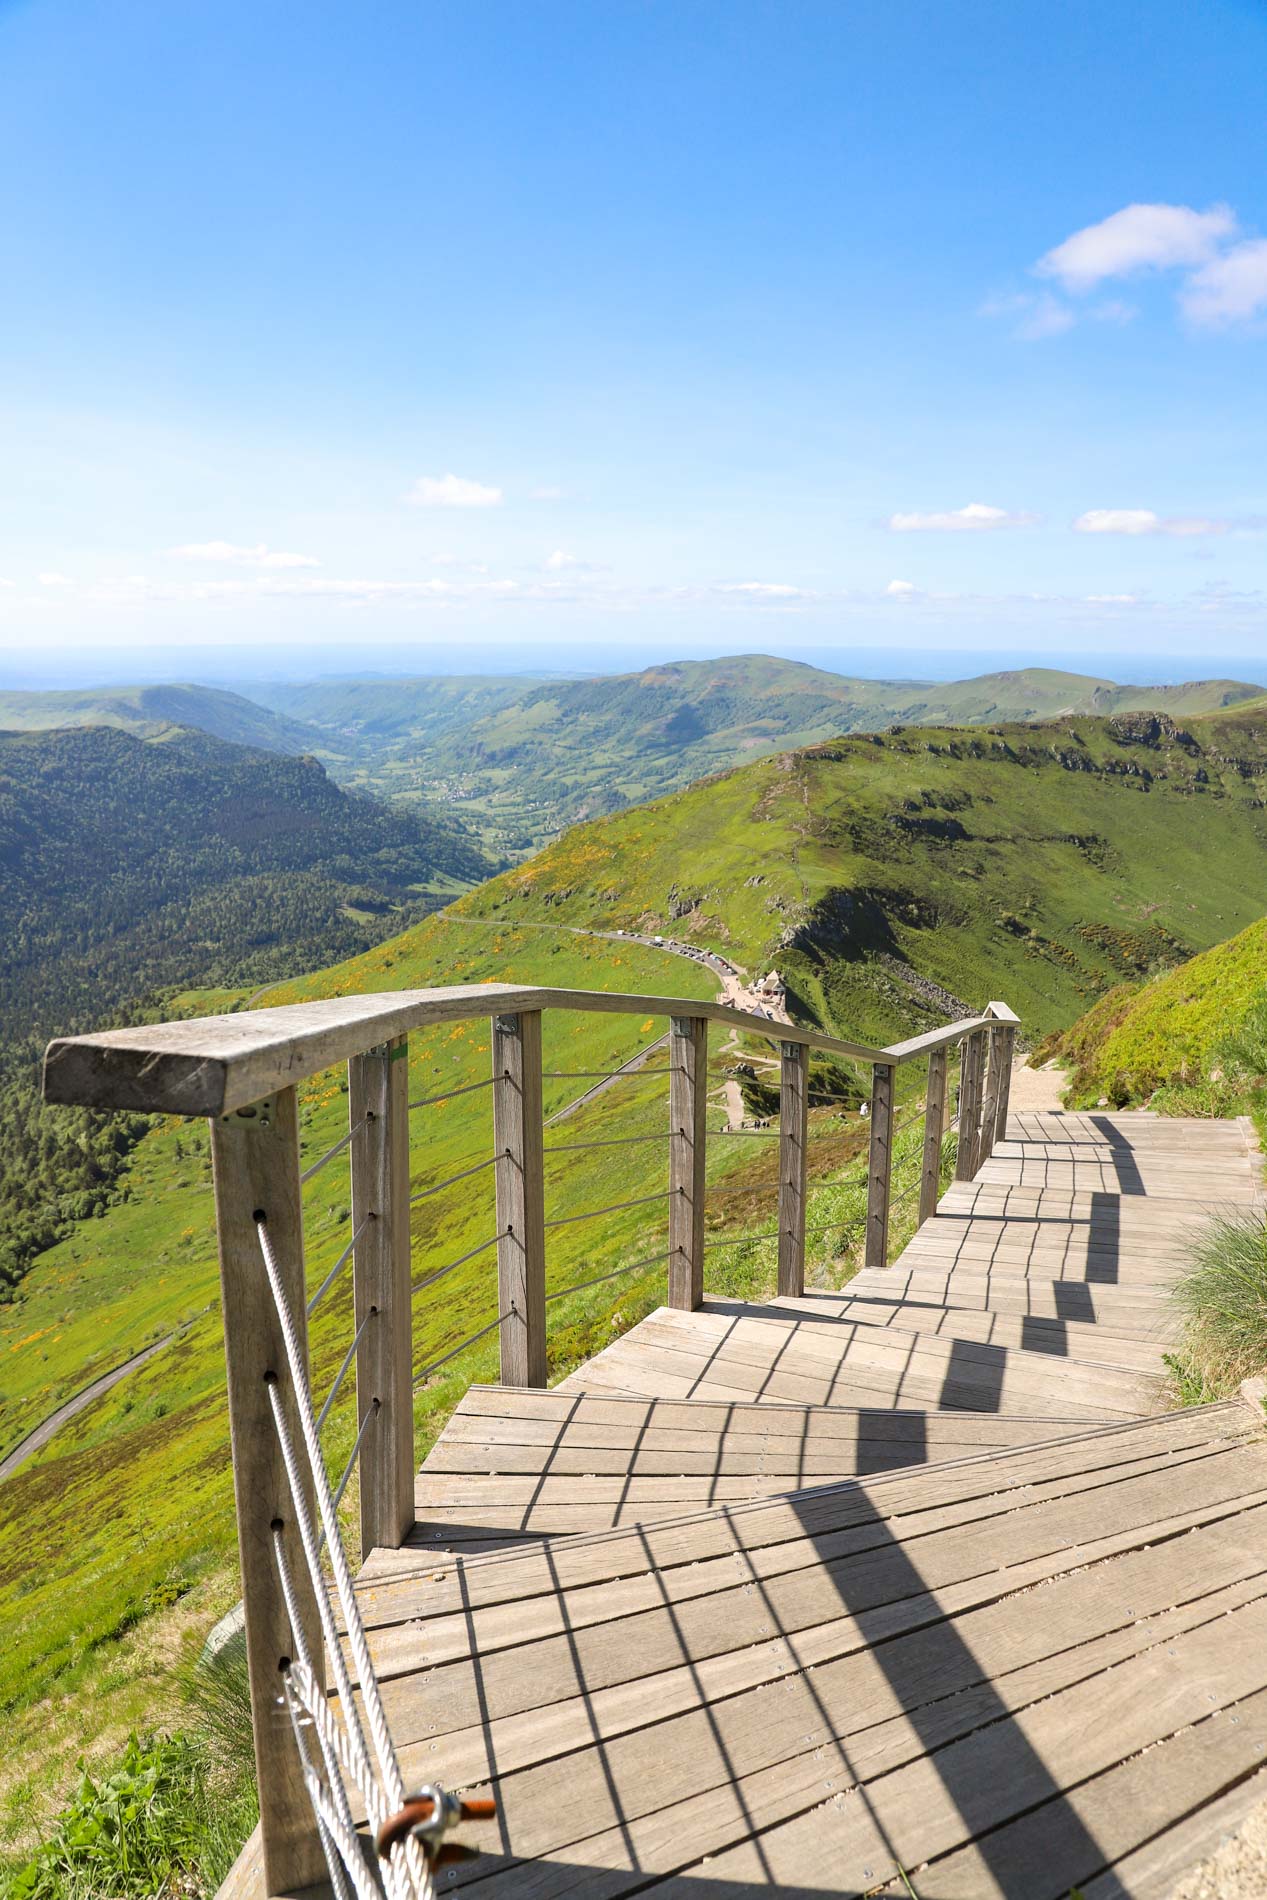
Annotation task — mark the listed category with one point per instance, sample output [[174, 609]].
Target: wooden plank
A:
[[777, 1533], [378, 1109], [776, 1750], [1007, 1060], [832, 1608], [209, 1065], [688, 1102], [255, 1162], [520, 1190], [879, 1166], [793, 1133], [996, 1057], [970, 1086], [983, 1780], [934, 1132]]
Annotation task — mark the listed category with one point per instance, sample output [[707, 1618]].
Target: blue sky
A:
[[619, 325]]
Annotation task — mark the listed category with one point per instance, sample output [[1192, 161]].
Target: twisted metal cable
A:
[[372, 1702], [371, 1699]]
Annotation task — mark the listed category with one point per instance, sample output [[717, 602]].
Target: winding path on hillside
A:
[[39, 1436]]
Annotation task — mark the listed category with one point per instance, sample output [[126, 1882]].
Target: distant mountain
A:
[[523, 759], [150, 710], [128, 864]]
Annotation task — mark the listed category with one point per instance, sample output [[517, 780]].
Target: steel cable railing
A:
[[335, 1270], [406, 1872], [613, 1207], [484, 1331], [343, 1142], [464, 1174], [598, 1279]]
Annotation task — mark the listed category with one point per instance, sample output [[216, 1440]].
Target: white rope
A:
[[417, 1869], [343, 1851]]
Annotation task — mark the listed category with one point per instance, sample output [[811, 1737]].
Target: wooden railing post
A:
[[1007, 1036], [255, 1157], [970, 1088], [688, 1101], [519, 1173], [880, 1166], [993, 1088], [378, 1108], [793, 1134], [934, 1131]]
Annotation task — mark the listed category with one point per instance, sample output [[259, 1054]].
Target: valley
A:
[[518, 760]]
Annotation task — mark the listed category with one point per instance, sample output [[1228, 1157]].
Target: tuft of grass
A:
[[1224, 1300]]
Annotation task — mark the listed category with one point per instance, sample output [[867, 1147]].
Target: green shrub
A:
[[1224, 1298], [170, 1819], [135, 1831]]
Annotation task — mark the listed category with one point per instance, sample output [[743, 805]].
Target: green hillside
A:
[[1041, 864], [130, 866], [523, 759], [892, 877], [149, 711], [1193, 1040]]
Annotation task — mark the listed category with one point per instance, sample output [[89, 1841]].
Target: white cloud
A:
[[545, 494], [1139, 237], [901, 590], [55, 580], [1113, 600], [229, 554], [559, 560], [1229, 289], [764, 590], [976, 518], [1146, 521], [452, 491]]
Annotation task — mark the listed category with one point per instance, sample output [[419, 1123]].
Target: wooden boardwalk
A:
[[912, 1587]]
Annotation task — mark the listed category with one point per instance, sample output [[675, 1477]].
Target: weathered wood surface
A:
[[907, 1576], [515, 1465], [688, 1102], [378, 1111], [1009, 1672], [255, 1161], [212, 1064], [793, 1157], [518, 1173]]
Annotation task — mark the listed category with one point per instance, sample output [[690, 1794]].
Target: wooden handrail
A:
[[212, 1065], [241, 1071]]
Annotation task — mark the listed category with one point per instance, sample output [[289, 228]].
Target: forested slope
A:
[[129, 867]]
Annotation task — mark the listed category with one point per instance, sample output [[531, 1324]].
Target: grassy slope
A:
[[1041, 866], [1166, 1034]]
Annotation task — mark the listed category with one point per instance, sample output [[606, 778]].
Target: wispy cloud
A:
[[1140, 237], [976, 518], [1224, 279], [452, 491], [55, 580], [764, 590], [229, 554], [1146, 521], [1229, 289], [901, 590], [545, 494], [561, 559], [1113, 600]]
